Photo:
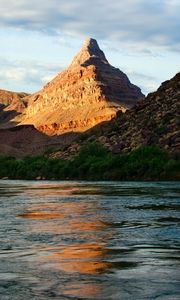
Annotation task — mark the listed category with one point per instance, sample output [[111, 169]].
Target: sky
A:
[[39, 38]]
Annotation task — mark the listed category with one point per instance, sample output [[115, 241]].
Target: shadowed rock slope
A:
[[88, 92], [23, 140], [153, 121]]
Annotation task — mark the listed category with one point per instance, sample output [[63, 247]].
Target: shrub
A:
[[96, 163]]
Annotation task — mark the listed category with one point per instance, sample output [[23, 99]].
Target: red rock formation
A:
[[13, 101], [11, 104], [88, 92]]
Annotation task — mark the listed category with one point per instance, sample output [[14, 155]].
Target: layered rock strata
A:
[[88, 92], [152, 121], [11, 105]]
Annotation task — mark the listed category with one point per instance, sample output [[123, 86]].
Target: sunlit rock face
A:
[[11, 104], [13, 101], [88, 92]]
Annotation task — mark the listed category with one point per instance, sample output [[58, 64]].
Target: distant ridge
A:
[[11, 104]]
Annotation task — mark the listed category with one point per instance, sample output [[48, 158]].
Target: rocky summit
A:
[[88, 92]]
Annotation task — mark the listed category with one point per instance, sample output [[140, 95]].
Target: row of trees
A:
[[94, 162]]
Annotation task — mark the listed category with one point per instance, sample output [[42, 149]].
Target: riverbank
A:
[[94, 162]]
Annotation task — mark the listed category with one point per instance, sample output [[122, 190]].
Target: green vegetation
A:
[[94, 162]]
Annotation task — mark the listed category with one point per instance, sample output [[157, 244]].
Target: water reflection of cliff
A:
[[79, 236], [79, 231]]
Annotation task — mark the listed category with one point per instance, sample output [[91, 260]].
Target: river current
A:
[[89, 240]]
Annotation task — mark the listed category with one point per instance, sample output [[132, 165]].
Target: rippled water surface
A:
[[84, 240]]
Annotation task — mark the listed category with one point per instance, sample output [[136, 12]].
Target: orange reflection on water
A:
[[71, 217], [90, 267], [41, 215], [69, 208], [86, 290], [75, 220], [65, 190], [80, 258], [82, 251], [43, 190], [75, 243], [65, 227], [85, 225]]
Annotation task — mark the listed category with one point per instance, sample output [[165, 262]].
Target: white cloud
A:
[[31, 75], [154, 22], [143, 35]]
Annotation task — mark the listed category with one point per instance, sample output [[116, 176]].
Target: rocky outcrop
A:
[[88, 92], [13, 101], [11, 105], [152, 121]]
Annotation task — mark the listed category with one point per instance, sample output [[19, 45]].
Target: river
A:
[[89, 240]]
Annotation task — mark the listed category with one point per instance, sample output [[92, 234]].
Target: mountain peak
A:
[[89, 54], [90, 91], [91, 43]]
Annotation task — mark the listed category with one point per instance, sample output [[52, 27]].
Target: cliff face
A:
[[13, 101], [88, 92], [152, 121], [155, 120], [11, 105]]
